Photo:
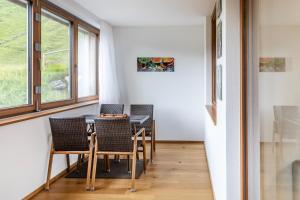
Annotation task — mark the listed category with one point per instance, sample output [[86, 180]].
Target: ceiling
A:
[[150, 12]]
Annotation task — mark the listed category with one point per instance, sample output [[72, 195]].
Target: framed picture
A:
[[155, 64], [219, 40], [219, 8], [275, 64], [219, 82]]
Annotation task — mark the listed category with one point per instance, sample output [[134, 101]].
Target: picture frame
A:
[[155, 64], [219, 8], [272, 64], [219, 40]]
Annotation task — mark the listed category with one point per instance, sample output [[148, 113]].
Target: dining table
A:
[[134, 120]]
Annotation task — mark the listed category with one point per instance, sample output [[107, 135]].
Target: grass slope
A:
[[13, 55]]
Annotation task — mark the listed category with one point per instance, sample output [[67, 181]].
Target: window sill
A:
[[20, 118], [212, 111]]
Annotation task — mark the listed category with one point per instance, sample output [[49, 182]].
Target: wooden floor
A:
[[179, 171]]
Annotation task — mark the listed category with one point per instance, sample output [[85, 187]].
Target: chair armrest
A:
[[143, 132], [139, 132]]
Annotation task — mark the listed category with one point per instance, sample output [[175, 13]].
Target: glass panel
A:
[[56, 58], [87, 61], [277, 43], [14, 70]]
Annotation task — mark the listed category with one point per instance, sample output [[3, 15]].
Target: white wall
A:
[[222, 141], [277, 35], [278, 88], [207, 59], [178, 97], [232, 45], [215, 136], [25, 150]]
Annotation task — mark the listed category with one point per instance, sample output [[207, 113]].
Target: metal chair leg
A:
[[154, 136], [152, 144], [79, 164], [144, 158], [128, 164], [68, 162]]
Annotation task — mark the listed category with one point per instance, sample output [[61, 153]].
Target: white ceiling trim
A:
[[150, 12]]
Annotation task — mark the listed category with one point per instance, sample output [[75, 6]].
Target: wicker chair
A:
[[113, 136], [149, 125], [112, 109], [286, 124], [105, 109], [69, 136]]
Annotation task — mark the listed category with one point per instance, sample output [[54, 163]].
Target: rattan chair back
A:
[[143, 109], [69, 134], [113, 134], [112, 109]]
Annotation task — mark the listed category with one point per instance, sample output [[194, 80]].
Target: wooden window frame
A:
[[34, 8], [245, 24], [45, 5], [212, 108], [97, 33], [30, 107]]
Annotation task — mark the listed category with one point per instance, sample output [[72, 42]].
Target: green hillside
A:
[[13, 31], [13, 55]]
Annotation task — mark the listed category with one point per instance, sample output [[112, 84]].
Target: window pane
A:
[[56, 60], [14, 71], [87, 63]]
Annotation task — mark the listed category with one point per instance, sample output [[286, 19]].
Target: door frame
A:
[[244, 47], [250, 148]]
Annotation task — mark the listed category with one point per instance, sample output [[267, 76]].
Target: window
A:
[[87, 63], [40, 47], [15, 71], [56, 58]]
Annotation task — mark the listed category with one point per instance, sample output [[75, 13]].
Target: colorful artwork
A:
[[155, 64], [272, 64]]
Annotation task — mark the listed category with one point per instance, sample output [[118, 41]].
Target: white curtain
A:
[[109, 85]]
